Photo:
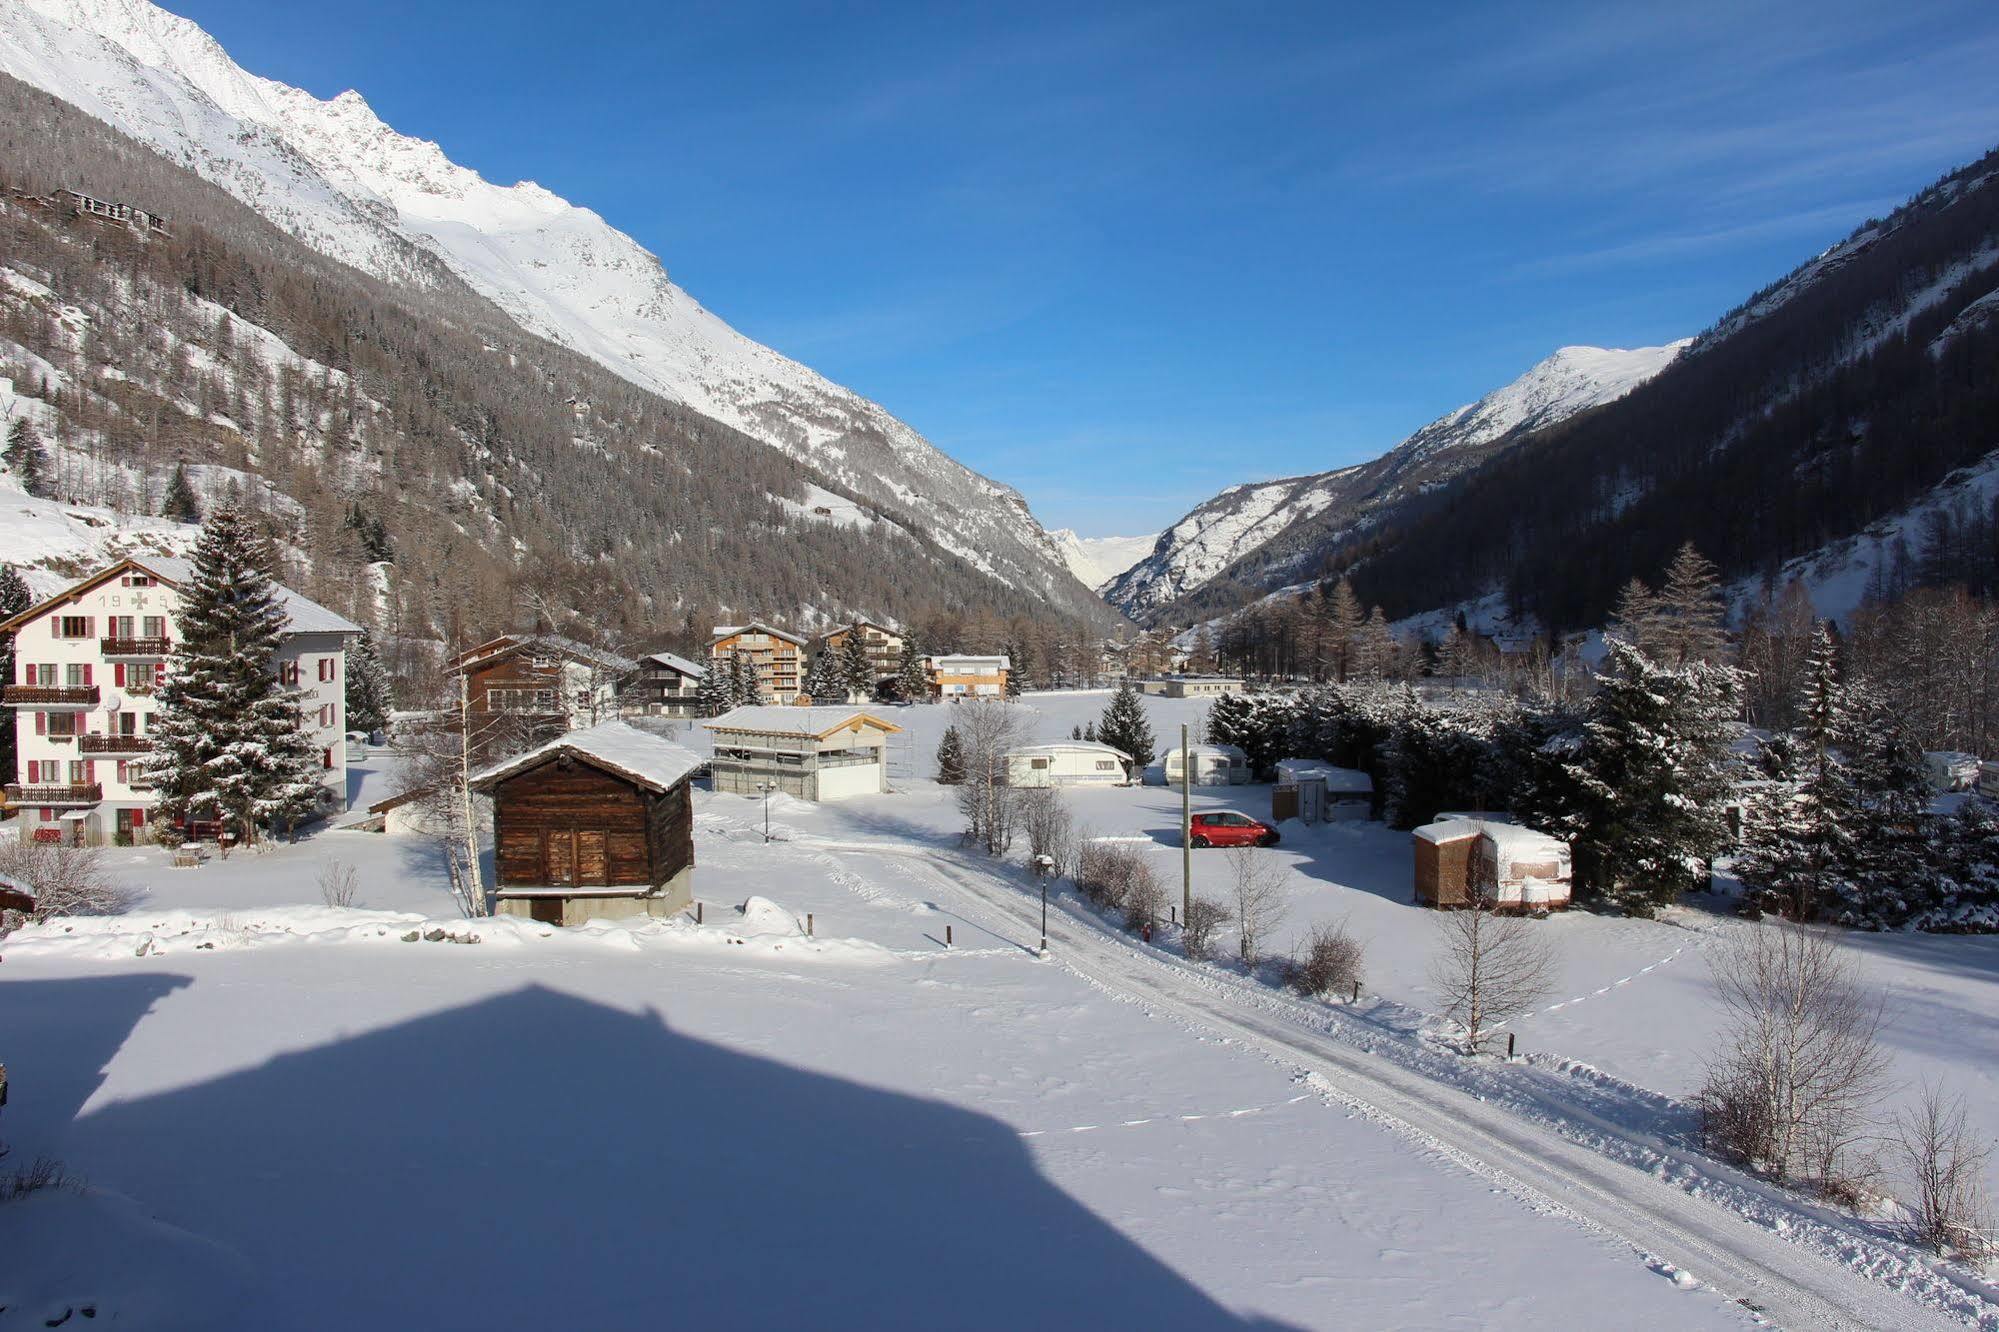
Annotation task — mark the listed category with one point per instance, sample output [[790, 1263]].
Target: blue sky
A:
[[1123, 257]]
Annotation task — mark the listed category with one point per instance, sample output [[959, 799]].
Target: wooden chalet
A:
[[536, 686], [595, 823], [884, 646], [665, 685]]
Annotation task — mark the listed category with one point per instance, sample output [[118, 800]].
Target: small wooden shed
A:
[[1321, 793], [596, 823], [1524, 869]]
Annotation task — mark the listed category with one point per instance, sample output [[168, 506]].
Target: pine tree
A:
[[822, 679], [911, 684], [14, 598], [715, 694], [1125, 726], [179, 502], [369, 696], [745, 686], [1895, 868], [1014, 686], [1650, 777], [950, 759], [857, 668], [1344, 618], [229, 741], [1798, 840], [1635, 618], [1689, 611], [26, 458]]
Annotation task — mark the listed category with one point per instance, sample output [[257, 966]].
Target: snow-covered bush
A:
[[1330, 961], [1204, 917], [65, 880]]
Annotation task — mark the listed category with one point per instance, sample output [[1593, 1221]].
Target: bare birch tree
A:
[[1256, 885], [1945, 1162], [986, 731], [1489, 966], [1793, 1088]]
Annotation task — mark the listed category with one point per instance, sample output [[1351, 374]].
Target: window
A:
[[326, 757], [1106, 765], [156, 626], [1037, 764], [73, 626], [76, 676], [325, 669], [520, 700], [288, 673], [140, 677], [64, 724], [325, 715], [121, 626]]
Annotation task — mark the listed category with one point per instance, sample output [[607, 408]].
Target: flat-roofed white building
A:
[[816, 753]]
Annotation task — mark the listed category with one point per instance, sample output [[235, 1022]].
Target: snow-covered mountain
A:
[[1097, 560], [335, 176], [1244, 520]]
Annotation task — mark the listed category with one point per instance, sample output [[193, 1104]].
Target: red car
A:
[[1227, 828]]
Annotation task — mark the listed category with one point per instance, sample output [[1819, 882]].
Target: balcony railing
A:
[[20, 794], [114, 744], [50, 696], [135, 647]]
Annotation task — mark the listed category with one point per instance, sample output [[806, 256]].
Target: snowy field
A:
[[290, 1117]]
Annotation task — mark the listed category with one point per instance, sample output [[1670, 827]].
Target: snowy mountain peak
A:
[[337, 177], [1247, 518]]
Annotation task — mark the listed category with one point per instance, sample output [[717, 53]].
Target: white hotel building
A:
[[86, 663]]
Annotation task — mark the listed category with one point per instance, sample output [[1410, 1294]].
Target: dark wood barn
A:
[[596, 823]]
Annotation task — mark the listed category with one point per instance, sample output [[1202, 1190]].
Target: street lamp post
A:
[[767, 786], [1044, 870]]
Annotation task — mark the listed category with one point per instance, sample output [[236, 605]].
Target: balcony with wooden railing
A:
[[114, 744], [135, 647], [49, 696], [42, 793]]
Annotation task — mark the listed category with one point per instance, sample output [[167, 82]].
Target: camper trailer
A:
[[1068, 763]]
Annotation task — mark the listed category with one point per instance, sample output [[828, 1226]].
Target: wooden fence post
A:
[[947, 936]]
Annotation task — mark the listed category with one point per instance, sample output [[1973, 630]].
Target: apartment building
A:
[[884, 645], [777, 657], [957, 676], [87, 663]]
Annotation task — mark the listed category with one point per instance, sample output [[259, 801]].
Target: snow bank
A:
[[766, 928]]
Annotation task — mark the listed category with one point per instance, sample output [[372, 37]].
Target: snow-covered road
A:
[[1825, 1278]]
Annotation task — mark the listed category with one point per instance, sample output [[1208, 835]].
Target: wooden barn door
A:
[[593, 866], [558, 853]]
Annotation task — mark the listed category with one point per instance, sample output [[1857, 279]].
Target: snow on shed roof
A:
[[778, 719], [1070, 747], [652, 761], [1446, 830], [1336, 779], [1211, 751]]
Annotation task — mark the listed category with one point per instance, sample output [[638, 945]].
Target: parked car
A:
[[1227, 828]]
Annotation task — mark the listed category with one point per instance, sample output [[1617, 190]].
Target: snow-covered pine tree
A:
[[369, 695], [1125, 726], [179, 502], [1015, 670], [745, 687], [857, 668], [1689, 611], [228, 737], [14, 598], [28, 460], [950, 758], [1650, 778], [1895, 863], [822, 679], [911, 684], [1797, 843], [715, 693]]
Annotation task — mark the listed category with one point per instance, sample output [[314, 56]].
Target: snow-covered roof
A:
[[618, 747], [777, 719], [942, 661], [1336, 779], [1230, 752], [1446, 830], [1069, 747], [555, 645], [678, 663], [303, 615], [722, 631]]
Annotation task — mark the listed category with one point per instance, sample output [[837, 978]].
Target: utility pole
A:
[[478, 894], [1186, 828]]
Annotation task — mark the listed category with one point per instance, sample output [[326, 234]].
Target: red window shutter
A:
[[41, 723], [90, 772], [34, 771], [124, 771], [326, 757], [86, 674], [118, 671], [90, 626], [138, 818]]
